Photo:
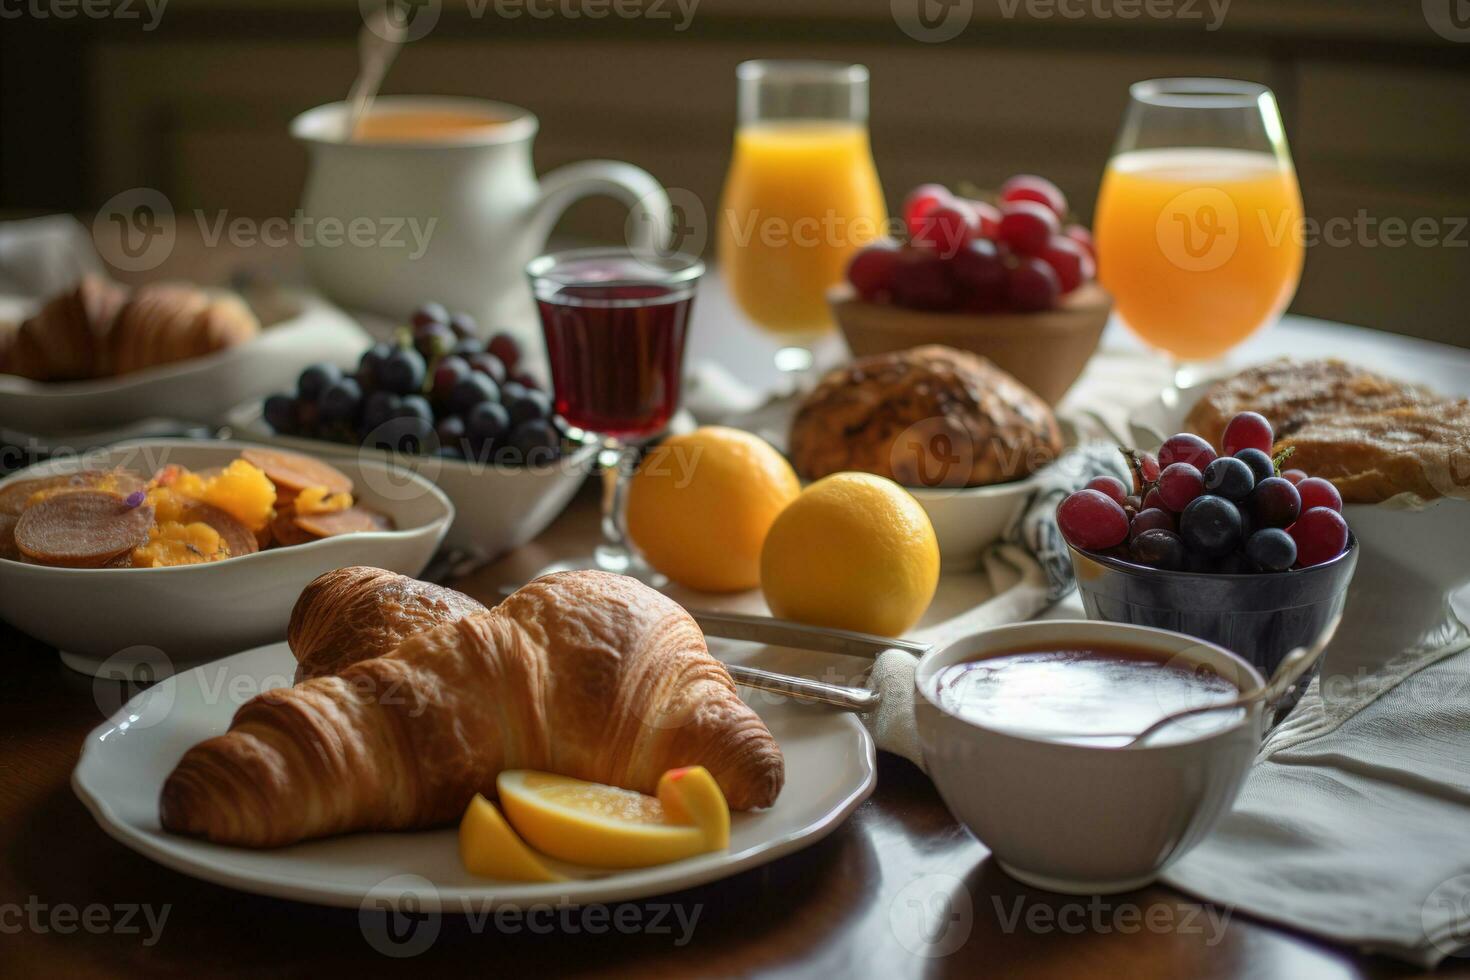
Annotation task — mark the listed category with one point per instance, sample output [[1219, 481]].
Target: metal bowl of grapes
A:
[[1233, 547]]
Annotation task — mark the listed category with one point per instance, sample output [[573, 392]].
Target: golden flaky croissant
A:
[[359, 613], [97, 330], [586, 674]]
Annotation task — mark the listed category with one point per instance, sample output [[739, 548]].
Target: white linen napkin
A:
[[1354, 824]]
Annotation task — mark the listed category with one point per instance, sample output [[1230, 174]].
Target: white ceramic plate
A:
[[497, 508], [122, 620], [304, 330], [829, 771]]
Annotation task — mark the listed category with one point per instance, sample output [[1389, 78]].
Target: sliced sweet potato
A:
[[15, 496], [236, 536], [353, 520], [294, 472], [8, 548], [84, 529]]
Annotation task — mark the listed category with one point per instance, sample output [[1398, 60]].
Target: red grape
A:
[[1273, 503], [922, 282], [1151, 519], [1320, 535], [946, 228], [1092, 520], [1179, 484], [1029, 187], [1026, 227], [1031, 286], [1110, 486], [1153, 500], [1082, 237], [981, 275], [1317, 492], [989, 216], [1295, 476], [1069, 260], [1248, 430], [1159, 547], [1148, 467], [872, 270], [1186, 447], [921, 201]]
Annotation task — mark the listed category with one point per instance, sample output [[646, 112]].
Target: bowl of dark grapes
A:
[[1234, 547]]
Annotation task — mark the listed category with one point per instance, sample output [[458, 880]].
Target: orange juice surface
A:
[[1200, 247], [800, 198]]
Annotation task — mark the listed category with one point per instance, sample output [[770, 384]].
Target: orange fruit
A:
[[700, 505], [855, 551]]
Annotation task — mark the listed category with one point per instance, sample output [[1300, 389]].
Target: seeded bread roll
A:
[[926, 417]]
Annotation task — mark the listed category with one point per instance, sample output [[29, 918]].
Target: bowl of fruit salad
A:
[[1008, 281], [444, 404], [1227, 547]]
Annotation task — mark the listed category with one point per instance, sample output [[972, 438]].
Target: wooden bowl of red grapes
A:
[[1240, 511], [436, 388], [1013, 281]]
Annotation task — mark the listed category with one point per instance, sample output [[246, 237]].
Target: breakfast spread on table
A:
[[116, 518], [100, 329], [580, 674], [582, 728]]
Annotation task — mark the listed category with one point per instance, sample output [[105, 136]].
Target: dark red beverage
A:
[[615, 329]]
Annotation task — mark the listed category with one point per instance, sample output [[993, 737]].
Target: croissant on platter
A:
[[585, 674], [98, 330]]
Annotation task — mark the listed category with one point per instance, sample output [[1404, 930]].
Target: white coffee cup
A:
[[1086, 818]]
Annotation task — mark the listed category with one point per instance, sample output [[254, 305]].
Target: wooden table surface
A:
[[900, 889]]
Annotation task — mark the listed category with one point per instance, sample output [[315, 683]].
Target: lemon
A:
[[489, 847], [700, 505], [607, 827], [855, 551]]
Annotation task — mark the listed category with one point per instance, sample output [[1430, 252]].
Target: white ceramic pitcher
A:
[[453, 220]]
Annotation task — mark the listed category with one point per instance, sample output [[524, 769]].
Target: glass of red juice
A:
[[615, 322]]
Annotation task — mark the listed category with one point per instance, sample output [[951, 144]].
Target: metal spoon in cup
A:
[[1292, 668]]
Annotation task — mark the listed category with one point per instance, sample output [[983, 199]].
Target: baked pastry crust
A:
[[926, 417], [586, 674], [1374, 437]]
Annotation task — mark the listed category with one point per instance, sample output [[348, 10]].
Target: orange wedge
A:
[[597, 825], [489, 847]]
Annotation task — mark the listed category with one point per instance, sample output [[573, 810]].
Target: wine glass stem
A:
[[617, 459]]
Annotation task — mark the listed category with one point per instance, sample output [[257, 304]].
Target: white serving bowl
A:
[[1080, 818], [124, 621], [967, 520], [300, 329], [497, 508]]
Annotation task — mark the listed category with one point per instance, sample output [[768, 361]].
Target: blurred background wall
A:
[[194, 100]]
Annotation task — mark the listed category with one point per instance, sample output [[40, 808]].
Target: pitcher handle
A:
[[650, 221]]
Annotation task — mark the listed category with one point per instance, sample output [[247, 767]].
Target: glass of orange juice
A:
[[801, 196], [1198, 224]]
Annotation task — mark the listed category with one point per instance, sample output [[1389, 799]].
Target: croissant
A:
[[98, 330], [359, 613], [586, 674]]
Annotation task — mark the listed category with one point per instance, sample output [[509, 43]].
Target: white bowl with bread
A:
[[961, 435], [1398, 453], [99, 355], [128, 621]]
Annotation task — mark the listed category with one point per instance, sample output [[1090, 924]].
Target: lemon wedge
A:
[[489, 847], [597, 825], [691, 795]]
